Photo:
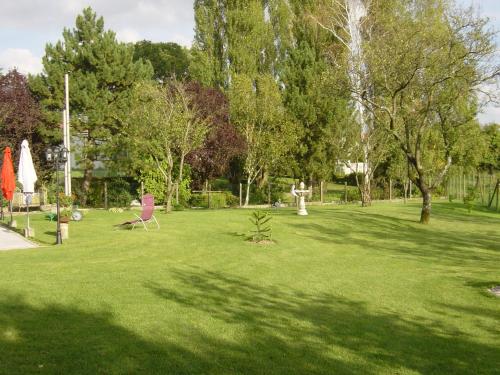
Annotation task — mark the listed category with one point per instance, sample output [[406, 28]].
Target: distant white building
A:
[[348, 167]]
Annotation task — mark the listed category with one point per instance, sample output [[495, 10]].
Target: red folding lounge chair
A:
[[148, 206]]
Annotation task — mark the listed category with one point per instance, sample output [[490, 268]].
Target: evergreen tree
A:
[[168, 59], [102, 74], [303, 74]]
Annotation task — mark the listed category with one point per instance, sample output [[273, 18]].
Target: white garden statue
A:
[[301, 208]]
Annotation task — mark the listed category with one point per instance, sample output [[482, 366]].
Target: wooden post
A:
[[269, 194], [464, 190], [106, 195], [482, 189], [405, 192], [345, 192], [321, 187], [176, 193], [411, 187], [390, 189], [241, 194], [209, 188], [498, 193], [460, 185], [490, 193]]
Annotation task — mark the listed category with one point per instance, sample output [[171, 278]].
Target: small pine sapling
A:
[[262, 229]]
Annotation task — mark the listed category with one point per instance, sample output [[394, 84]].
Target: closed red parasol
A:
[[8, 176]]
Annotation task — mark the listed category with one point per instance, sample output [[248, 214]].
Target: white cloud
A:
[[157, 20], [27, 25], [182, 40], [21, 59], [128, 35]]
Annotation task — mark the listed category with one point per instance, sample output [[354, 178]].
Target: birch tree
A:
[[345, 20]]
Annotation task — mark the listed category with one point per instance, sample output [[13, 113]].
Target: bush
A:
[[232, 200], [470, 197], [178, 207], [350, 178], [66, 201], [217, 200], [119, 193], [261, 195], [353, 195], [377, 193]]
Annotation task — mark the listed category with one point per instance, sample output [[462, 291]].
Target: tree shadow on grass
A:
[[291, 332], [391, 234], [57, 339], [478, 214]]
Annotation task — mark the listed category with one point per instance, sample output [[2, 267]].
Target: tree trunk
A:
[[366, 199], [87, 179], [168, 196], [247, 197], [406, 183], [170, 189], [425, 216]]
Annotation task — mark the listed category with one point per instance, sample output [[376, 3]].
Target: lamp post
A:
[[57, 155]]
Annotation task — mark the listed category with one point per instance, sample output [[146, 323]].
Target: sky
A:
[[27, 25]]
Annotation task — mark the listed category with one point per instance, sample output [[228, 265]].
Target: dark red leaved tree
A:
[[19, 117], [223, 142]]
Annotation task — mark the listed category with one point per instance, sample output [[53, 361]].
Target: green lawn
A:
[[345, 290]]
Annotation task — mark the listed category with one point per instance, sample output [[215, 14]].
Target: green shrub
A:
[[353, 195], [377, 193], [217, 200], [261, 195], [470, 197], [119, 193], [178, 207], [232, 200], [65, 200]]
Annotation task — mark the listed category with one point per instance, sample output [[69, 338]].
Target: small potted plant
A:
[[66, 207]]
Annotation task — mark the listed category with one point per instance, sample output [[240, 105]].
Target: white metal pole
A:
[[64, 143], [67, 140]]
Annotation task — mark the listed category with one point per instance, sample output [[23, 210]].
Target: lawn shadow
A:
[[292, 332], [404, 237], [56, 339]]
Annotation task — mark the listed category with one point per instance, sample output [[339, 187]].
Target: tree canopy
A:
[[102, 74], [169, 60]]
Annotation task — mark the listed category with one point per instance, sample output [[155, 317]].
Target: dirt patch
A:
[[263, 242]]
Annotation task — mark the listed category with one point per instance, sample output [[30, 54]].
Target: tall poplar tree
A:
[[240, 47], [102, 74]]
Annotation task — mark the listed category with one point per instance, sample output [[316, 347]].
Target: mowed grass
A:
[[345, 290]]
